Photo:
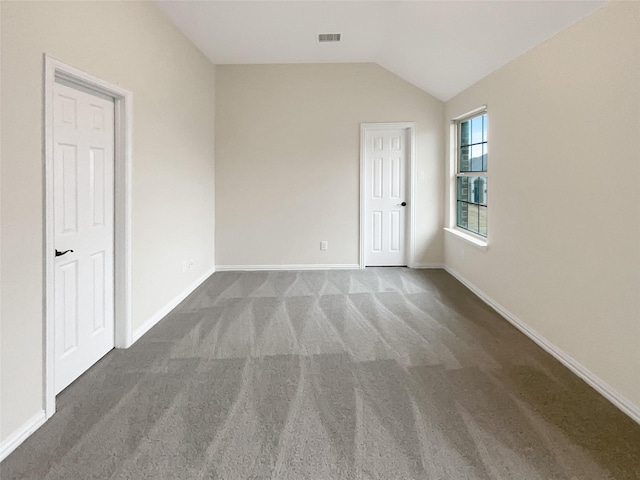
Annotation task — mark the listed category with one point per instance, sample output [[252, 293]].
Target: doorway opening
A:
[[387, 164], [59, 73]]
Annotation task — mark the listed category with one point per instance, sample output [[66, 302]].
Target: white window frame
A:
[[475, 239]]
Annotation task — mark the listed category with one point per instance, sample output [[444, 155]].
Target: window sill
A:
[[481, 244]]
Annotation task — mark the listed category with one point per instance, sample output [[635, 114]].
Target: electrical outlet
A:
[[191, 264], [324, 245]]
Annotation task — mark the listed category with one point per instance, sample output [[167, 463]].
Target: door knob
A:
[[59, 254], [403, 204]]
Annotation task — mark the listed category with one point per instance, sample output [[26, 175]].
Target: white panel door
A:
[[84, 227], [385, 197]]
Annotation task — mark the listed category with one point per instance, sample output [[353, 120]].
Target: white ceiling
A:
[[441, 47]]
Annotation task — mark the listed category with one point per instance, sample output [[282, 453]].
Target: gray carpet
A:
[[386, 373]]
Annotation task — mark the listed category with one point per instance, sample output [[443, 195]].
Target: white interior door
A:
[[385, 209], [84, 228]]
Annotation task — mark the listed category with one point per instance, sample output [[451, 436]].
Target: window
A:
[[471, 174]]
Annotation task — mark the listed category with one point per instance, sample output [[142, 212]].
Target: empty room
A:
[[320, 240]]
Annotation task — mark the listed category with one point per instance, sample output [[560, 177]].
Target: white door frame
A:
[[123, 104], [410, 224]]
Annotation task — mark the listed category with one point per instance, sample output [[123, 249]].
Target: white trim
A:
[[23, 432], [164, 311], [123, 243], [123, 104], [451, 203], [422, 266], [472, 113], [476, 241], [299, 266], [410, 228], [602, 387]]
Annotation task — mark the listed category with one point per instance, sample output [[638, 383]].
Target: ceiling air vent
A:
[[329, 37]]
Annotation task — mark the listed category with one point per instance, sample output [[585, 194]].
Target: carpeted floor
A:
[[386, 373]]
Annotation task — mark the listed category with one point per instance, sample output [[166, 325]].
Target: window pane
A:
[[477, 129], [484, 127], [472, 190], [476, 158], [462, 218], [465, 160], [465, 128], [480, 190], [485, 155], [482, 229], [473, 217], [463, 189]]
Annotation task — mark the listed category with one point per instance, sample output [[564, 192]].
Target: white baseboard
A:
[[602, 387], [427, 266], [21, 434], [164, 311], [313, 266]]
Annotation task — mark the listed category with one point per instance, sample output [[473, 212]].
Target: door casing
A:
[[410, 127], [123, 105]]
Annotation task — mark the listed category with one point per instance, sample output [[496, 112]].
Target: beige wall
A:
[[564, 211], [133, 45], [287, 160]]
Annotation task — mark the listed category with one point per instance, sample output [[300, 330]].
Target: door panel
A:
[[66, 175], [385, 191], [396, 171], [98, 187], [377, 231], [394, 231], [83, 218], [68, 305], [99, 290], [377, 178]]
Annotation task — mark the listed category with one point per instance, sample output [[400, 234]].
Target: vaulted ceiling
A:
[[441, 47]]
